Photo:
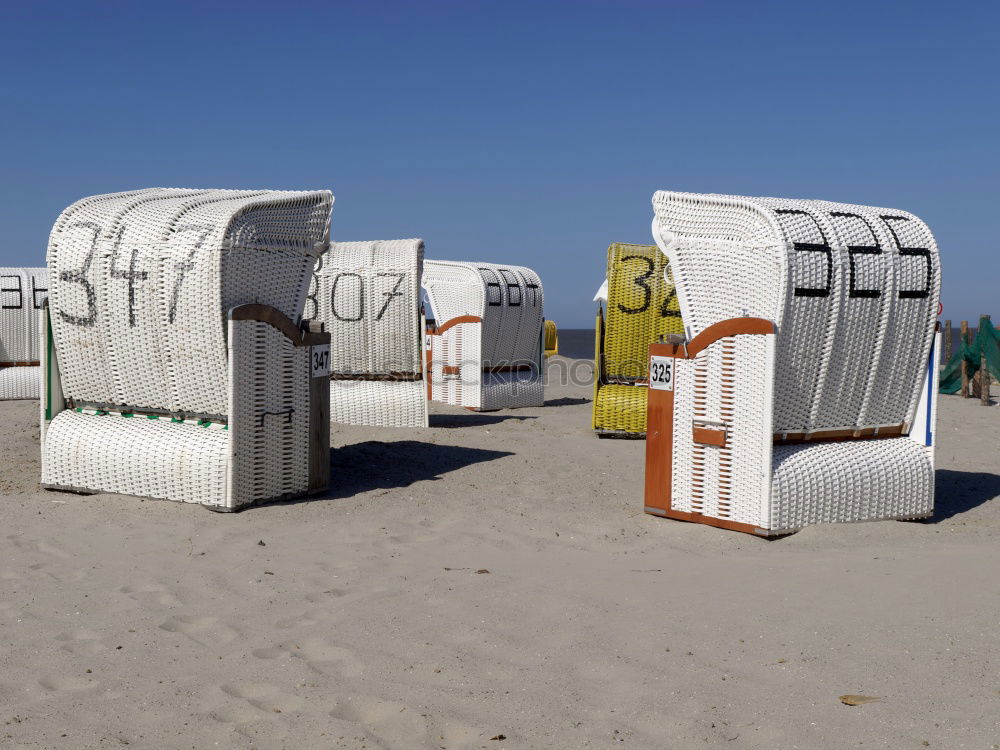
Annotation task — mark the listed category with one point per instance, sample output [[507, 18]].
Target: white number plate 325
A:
[[661, 373]]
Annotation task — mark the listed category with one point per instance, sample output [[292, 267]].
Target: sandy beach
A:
[[492, 583]]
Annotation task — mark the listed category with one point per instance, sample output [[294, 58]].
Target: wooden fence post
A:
[[984, 374], [965, 366], [984, 381]]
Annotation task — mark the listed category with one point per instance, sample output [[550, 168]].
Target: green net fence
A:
[[987, 343]]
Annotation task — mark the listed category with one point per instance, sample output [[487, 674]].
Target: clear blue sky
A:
[[527, 132]]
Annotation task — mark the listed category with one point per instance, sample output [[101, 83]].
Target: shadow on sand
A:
[[567, 401], [956, 492], [472, 419], [372, 465]]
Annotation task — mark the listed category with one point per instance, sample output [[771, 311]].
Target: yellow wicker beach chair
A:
[[642, 307], [551, 338]]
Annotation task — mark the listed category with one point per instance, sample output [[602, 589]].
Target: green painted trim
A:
[[48, 366]]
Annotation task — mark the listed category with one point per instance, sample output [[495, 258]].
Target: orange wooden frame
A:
[[429, 354], [660, 425]]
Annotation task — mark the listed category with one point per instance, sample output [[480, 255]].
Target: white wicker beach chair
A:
[[367, 294], [22, 294], [176, 367], [486, 348], [804, 388]]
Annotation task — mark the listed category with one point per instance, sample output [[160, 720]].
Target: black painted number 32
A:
[[642, 281]]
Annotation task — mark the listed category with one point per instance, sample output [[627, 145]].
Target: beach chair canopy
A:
[[495, 316], [148, 313], [830, 399], [22, 294], [367, 295], [641, 308]]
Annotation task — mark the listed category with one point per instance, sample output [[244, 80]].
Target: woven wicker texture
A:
[[724, 385], [142, 284], [22, 294], [551, 338], [136, 456], [853, 289], [147, 277], [19, 383], [512, 390], [391, 403], [620, 408], [367, 294], [509, 301], [850, 480], [269, 414], [642, 307]]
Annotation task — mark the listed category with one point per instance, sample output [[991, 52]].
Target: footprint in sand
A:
[[264, 696], [319, 655], [336, 568], [38, 545], [271, 653], [241, 713], [81, 642], [459, 737], [63, 684], [331, 595], [320, 597], [205, 631], [393, 725], [305, 619], [51, 549], [9, 693], [8, 611], [328, 659], [149, 594]]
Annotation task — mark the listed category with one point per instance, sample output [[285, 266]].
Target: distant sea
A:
[[578, 343]]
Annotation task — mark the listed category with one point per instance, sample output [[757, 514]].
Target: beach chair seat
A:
[[486, 351], [620, 410], [367, 295], [642, 307], [804, 388], [175, 364], [551, 339], [23, 292]]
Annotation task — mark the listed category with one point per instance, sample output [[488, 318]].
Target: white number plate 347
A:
[[661, 373], [320, 361]]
